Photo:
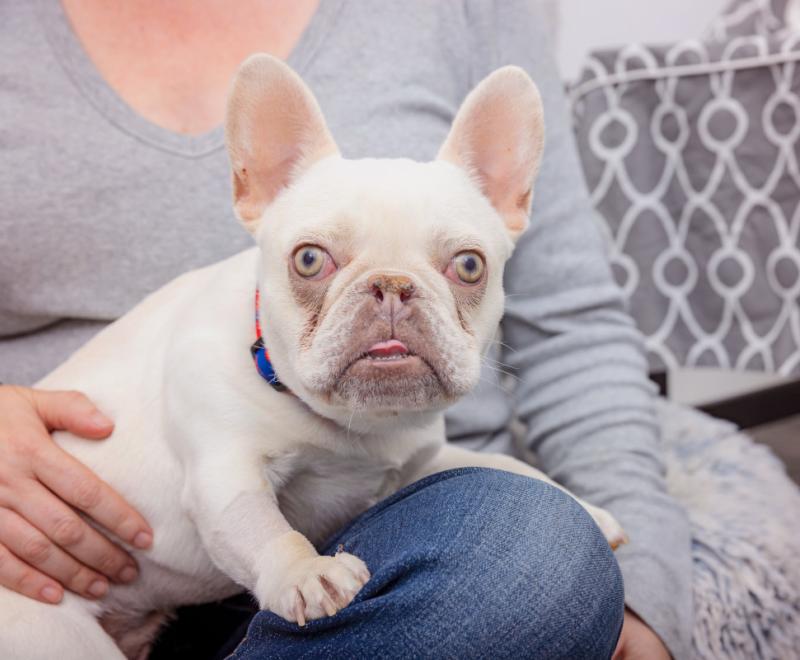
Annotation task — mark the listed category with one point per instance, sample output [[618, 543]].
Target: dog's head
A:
[[381, 280]]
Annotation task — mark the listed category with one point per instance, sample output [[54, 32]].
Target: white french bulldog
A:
[[380, 286]]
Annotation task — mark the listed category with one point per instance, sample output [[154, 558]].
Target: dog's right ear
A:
[[274, 130]]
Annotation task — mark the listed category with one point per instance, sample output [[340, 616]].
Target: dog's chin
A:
[[406, 383]]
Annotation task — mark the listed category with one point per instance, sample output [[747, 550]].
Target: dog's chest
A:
[[320, 491]]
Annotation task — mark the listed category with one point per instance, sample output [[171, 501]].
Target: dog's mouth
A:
[[390, 375], [391, 351], [388, 359], [376, 366]]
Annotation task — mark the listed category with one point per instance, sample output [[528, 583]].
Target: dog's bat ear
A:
[[274, 130], [498, 138]]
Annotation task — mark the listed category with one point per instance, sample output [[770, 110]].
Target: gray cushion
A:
[[691, 154]]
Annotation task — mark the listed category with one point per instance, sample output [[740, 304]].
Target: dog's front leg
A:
[[236, 512], [449, 457]]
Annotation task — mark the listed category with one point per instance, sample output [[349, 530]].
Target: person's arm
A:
[[583, 394], [45, 545]]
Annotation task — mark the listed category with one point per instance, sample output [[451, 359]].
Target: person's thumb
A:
[[73, 412]]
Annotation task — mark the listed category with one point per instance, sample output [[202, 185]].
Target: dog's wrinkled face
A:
[[381, 280], [384, 281]]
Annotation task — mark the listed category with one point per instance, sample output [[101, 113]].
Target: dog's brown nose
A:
[[383, 286]]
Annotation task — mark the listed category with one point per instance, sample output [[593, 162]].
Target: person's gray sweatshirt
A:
[[99, 207]]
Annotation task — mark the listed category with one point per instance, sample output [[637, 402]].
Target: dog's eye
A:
[[469, 267], [309, 260]]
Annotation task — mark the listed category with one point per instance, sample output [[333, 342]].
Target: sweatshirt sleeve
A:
[[583, 395]]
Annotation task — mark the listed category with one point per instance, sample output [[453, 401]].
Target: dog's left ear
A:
[[274, 130], [498, 138]]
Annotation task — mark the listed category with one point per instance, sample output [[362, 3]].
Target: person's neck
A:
[[172, 61]]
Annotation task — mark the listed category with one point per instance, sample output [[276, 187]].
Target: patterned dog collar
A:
[[261, 354]]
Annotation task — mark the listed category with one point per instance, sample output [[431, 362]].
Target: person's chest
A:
[[155, 55], [99, 207]]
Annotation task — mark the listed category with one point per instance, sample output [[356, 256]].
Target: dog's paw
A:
[[314, 587], [611, 529]]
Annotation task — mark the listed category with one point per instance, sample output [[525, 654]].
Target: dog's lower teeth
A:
[[386, 358]]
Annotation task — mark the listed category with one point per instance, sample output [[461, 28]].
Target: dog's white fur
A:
[[237, 479]]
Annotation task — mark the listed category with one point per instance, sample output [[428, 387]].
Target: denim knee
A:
[[545, 580], [468, 563]]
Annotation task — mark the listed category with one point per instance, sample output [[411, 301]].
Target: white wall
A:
[[587, 24]]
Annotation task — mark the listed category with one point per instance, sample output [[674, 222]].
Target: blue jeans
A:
[[468, 563]]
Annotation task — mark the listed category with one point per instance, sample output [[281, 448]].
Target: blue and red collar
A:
[[261, 354]]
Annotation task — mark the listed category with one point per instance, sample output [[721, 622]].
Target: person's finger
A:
[[73, 412], [31, 546], [70, 532], [79, 486], [26, 580]]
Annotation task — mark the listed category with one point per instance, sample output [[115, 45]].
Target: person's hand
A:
[[638, 642], [44, 544]]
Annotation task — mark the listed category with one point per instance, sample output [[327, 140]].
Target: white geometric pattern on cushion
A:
[[766, 18], [704, 237]]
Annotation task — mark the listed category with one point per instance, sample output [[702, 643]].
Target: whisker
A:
[[486, 358], [350, 422], [500, 370], [503, 344]]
